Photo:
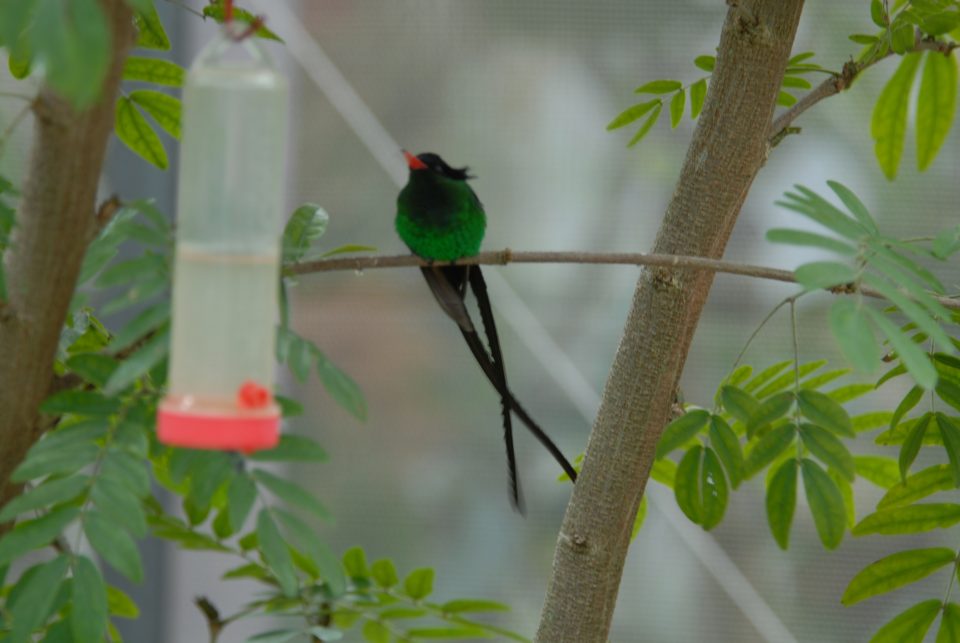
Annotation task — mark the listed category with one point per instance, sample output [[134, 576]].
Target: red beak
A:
[[413, 162]]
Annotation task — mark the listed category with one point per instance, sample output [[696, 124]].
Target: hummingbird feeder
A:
[[226, 273]]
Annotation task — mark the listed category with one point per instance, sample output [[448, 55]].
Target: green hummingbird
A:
[[440, 218]]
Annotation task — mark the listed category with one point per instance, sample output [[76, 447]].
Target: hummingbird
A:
[[441, 219]]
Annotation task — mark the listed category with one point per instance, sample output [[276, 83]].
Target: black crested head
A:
[[436, 164]]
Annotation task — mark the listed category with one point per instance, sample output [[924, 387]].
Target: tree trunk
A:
[[729, 146], [54, 222]]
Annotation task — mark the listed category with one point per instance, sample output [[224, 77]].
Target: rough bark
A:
[[728, 148], [55, 219]]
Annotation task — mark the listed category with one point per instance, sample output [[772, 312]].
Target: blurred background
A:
[[521, 92]]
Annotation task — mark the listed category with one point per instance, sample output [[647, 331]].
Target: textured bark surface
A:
[[55, 219], [729, 146]]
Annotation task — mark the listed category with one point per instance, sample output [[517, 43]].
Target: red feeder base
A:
[[223, 431]]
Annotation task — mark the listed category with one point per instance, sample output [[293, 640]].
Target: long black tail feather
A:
[[448, 284]]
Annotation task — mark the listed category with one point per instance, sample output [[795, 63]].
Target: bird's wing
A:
[[447, 285]]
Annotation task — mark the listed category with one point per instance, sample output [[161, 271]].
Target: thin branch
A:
[[839, 82], [507, 256]]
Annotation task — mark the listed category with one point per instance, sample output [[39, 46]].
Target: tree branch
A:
[[54, 219], [729, 146], [507, 256], [839, 82]]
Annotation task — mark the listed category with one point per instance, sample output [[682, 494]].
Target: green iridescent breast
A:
[[439, 218]]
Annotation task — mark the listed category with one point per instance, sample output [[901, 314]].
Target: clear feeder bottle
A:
[[229, 203]]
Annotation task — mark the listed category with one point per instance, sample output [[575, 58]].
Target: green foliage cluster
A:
[[90, 480]]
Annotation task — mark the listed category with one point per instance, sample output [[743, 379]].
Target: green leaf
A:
[[815, 207], [647, 124], [681, 431], [810, 239], [88, 616], [677, 103], [878, 13], [467, 605], [950, 433], [913, 358], [135, 132], [276, 553], [121, 605], [888, 125], [376, 632], [355, 563], [706, 63], [846, 491], [950, 624], [275, 636], [126, 469], [139, 363], [292, 448], [782, 501], [902, 37], [70, 39], [240, 497], [659, 87], [291, 493], [913, 442], [49, 493], [384, 573], [768, 447], [910, 626], [714, 492], [765, 376], [117, 503], [307, 224], [33, 534], [79, 402], [153, 70], [828, 448], [164, 109], [855, 206], [35, 595], [147, 321], [817, 275], [880, 470], [821, 409], [114, 544], [698, 93], [92, 367], [770, 410], [826, 503], [796, 82], [150, 31], [686, 485], [910, 400], [632, 113], [912, 310], [936, 106], [911, 519], [851, 328], [419, 583], [341, 387], [946, 242], [897, 570], [918, 486], [786, 100], [54, 462], [727, 445], [328, 566], [740, 404]]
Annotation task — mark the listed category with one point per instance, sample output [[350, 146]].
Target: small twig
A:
[[188, 8], [109, 207], [839, 82], [214, 623], [504, 257]]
